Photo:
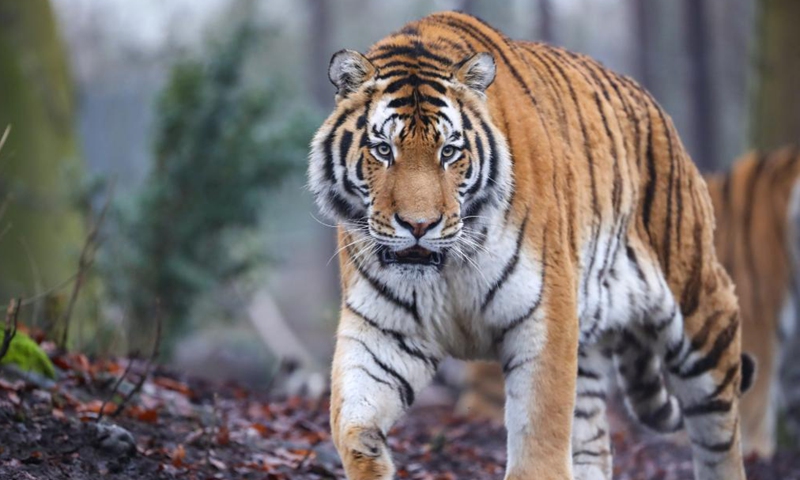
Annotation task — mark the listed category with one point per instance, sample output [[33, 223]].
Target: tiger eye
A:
[[448, 151], [384, 150]]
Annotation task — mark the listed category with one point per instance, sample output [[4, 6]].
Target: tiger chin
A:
[[517, 202]]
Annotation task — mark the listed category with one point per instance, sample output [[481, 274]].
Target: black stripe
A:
[[721, 447], [670, 184], [398, 337], [690, 299], [590, 453], [415, 100], [414, 81], [328, 145], [344, 146], [553, 84], [586, 414], [360, 168], [582, 372], [341, 206], [492, 178], [479, 179], [590, 160], [401, 72], [386, 293], [600, 434], [593, 394], [707, 408], [465, 121], [417, 50], [404, 388], [642, 391], [656, 419], [508, 269], [487, 42], [650, 187], [518, 321], [379, 380], [730, 376], [508, 367], [711, 360]]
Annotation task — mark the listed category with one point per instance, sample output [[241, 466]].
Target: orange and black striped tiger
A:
[[514, 201], [757, 208], [757, 204]]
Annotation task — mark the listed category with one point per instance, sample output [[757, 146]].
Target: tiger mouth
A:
[[412, 256]]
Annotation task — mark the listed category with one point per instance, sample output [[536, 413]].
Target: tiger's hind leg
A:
[[702, 356], [641, 379], [591, 443]]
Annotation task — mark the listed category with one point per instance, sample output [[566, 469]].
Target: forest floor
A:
[[171, 427]]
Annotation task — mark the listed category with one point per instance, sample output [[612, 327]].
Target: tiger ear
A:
[[477, 72], [348, 70]]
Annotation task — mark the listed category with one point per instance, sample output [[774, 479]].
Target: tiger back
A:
[[514, 201]]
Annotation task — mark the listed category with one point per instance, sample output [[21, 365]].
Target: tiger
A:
[[757, 208], [508, 200], [757, 203]]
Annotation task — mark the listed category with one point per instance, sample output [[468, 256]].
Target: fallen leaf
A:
[[223, 435], [218, 464], [262, 429], [171, 384], [148, 415], [177, 456], [94, 406]]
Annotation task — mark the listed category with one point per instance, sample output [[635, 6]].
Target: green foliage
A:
[[25, 353], [219, 147]]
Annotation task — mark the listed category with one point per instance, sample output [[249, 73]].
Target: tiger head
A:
[[410, 162]]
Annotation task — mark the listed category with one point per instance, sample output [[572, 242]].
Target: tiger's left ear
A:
[[477, 72], [348, 71]]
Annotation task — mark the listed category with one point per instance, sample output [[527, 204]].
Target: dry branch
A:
[[114, 390], [85, 261], [12, 314], [5, 136], [148, 366]]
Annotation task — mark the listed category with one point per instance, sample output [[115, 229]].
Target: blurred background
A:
[[153, 171]]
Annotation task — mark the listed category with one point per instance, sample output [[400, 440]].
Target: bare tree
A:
[[319, 35], [545, 23], [776, 104], [644, 25], [703, 106], [467, 6]]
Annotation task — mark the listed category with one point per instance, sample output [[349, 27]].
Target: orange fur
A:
[[595, 163], [753, 242]]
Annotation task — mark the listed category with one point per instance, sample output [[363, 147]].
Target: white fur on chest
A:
[[459, 310]]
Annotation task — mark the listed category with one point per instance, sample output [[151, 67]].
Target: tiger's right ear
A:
[[477, 72], [348, 71]]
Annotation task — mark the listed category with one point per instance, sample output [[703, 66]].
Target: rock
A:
[[115, 439]]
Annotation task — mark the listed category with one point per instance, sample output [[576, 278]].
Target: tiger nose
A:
[[417, 228]]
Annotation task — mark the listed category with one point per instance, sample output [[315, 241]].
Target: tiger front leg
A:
[[539, 359], [374, 380]]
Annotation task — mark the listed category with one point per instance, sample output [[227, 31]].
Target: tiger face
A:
[[410, 163]]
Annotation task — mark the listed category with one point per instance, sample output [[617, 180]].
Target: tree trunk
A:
[[703, 106], [546, 21], [775, 119], [39, 165], [319, 34], [644, 32]]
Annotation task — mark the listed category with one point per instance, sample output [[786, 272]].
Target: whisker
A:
[[354, 242]]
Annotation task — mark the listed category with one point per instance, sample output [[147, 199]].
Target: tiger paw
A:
[[365, 455]]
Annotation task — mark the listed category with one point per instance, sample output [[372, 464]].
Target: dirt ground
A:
[[179, 428]]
